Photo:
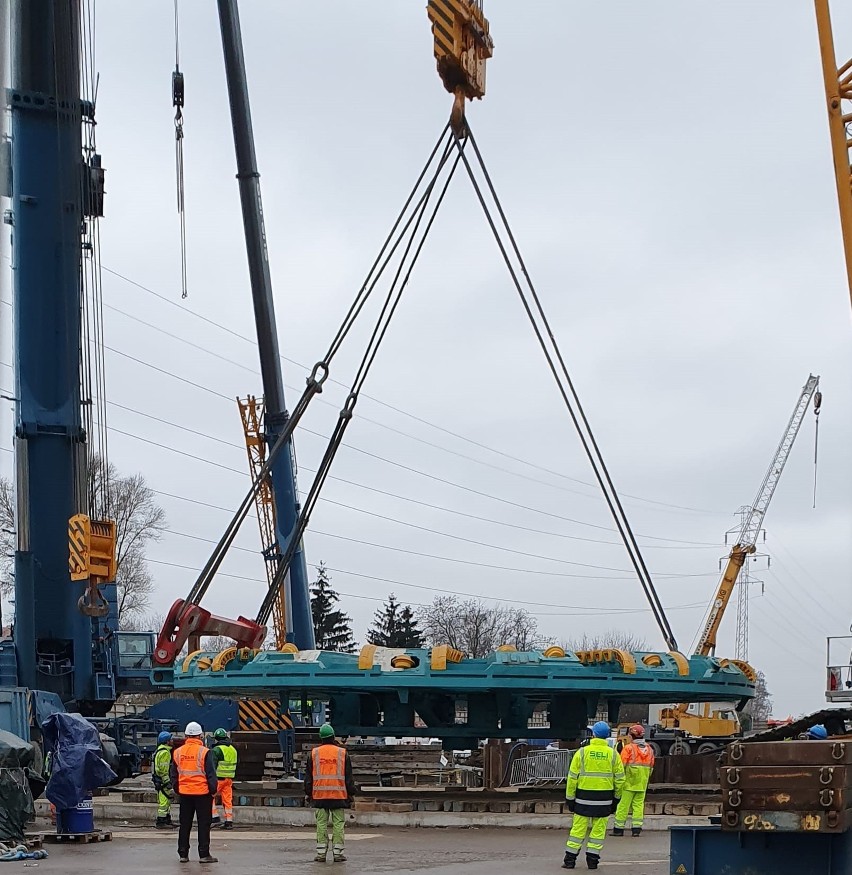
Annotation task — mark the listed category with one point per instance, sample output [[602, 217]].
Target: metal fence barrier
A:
[[538, 769]]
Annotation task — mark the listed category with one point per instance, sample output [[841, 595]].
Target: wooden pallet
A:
[[80, 838]]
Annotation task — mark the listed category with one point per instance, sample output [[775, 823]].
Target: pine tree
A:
[[395, 625], [332, 628]]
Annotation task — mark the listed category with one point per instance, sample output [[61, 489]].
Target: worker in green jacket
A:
[[225, 756], [162, 783], [595, 782]]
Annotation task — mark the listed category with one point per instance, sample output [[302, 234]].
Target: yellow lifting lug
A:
[[462, 45], [443, 654]]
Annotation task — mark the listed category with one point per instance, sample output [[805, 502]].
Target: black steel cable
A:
[[589, 443], [391, 303]]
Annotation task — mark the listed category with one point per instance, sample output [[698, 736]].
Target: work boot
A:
[[320, 856], [183, 859], [637, 831], [618, 830], [339, 858], [161, 823], [216, 822], [228, 824], [592, 861], [570, 861], [170, 824], [208, 859]]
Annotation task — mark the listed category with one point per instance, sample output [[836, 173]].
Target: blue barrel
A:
[[78, 819]]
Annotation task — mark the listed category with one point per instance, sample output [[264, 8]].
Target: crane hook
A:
[[96, 605]]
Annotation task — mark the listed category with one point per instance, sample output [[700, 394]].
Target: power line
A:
[[377, 457], [594, 610], [669, 576], [399, 410]]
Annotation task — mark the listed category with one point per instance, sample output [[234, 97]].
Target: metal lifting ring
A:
[[733, 775], [826, 773], [732, 818], [736, 752], [826, 797], [735, 797], [319, 375], [831, 819], [838, 750], [349, 406]]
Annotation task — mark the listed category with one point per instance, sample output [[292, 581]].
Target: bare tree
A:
[[619, 639], [476, 628], [139, 520], [7, 536]]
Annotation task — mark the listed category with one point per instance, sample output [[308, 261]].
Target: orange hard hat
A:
[[637, 731]]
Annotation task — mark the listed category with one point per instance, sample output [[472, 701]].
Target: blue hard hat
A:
[[817, 732], [164, 738], [601, 729]]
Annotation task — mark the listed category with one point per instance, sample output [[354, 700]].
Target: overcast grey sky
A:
[[667, 171]]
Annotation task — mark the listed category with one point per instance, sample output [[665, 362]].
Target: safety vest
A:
[[189, 759], [595, 778], [638, 759], [329, 772], [162, 760], [227, 766]]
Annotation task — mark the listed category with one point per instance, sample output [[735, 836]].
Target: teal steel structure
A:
[[370, 693]]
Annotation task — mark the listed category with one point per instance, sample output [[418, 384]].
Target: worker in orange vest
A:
[[638, 759], [329, 787], [193, 775]]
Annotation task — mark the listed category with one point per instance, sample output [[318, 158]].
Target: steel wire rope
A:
[[383, 321], [385, 404], [587, 438], [315, 381]]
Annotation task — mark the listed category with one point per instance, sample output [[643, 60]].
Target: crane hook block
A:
[[91, 548], [462, 45]]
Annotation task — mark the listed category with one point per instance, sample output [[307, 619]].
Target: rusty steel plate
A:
[[784, 777], [798, 753], [751, 820], [802, 799]]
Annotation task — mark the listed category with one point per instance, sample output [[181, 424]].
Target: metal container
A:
[[706, 850], [794, 753]]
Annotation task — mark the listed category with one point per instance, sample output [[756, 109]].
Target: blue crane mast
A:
[[65, 639]]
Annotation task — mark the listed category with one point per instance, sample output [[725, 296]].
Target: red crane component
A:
[[186, 620]]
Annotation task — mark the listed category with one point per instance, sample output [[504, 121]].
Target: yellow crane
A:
[[838, 89], [709, 721]]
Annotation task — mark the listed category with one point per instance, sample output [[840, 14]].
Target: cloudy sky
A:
[[667, 171]]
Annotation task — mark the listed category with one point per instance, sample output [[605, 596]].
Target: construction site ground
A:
[[247, 850]]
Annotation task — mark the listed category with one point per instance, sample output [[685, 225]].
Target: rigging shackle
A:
[[177, 90]]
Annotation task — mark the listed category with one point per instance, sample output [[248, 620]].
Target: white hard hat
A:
[[193, 728]]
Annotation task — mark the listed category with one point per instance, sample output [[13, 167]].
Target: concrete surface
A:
[[248, 851], [108, 812]]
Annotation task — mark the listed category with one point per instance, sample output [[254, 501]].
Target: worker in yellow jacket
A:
[[638, 759], [595, 782]]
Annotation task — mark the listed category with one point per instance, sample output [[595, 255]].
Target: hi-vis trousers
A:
[[593, 827]]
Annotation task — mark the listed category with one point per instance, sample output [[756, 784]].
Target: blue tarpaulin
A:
[[77, 764]]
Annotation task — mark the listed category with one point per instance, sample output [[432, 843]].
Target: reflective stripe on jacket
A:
[[329, 772], [227, 766], [162, 761], [638, 759], [189, 760], [595, 779]]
